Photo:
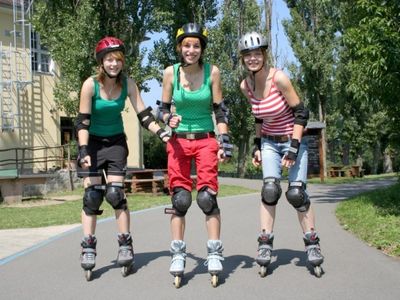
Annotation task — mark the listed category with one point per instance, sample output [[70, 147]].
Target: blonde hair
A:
[[101, 74]]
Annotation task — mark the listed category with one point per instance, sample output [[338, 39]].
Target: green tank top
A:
[[106, 118], [195, 107]]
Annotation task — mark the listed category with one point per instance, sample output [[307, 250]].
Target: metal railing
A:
[[31, 160]]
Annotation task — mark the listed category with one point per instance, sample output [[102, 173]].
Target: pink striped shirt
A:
[[277, 115]]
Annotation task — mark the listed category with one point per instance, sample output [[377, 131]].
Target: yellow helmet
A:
[[192, 30]]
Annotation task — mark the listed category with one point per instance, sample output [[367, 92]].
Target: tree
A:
[[312, 33], [372, 39], [223, 51], [70, 30]]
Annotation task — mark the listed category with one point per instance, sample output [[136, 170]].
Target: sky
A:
[[280, 45]]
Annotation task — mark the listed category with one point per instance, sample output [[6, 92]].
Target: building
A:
[[29, 117]]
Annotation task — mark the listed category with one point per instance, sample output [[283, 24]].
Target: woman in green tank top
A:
[[103, 149], [191, 93]]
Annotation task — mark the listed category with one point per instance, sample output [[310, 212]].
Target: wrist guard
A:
[[83, 152], [162, 133], [257, 146], [293, 149], [225, 145]]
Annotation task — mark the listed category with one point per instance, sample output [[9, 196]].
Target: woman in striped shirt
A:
[[280, 121]]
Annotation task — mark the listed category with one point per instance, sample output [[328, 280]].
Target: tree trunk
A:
[[346, 154], [377, 158], [242, 151], [387, 163], [322, 116]]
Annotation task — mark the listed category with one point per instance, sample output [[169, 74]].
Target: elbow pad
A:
[[146, 117], [82, 121], [221, 112], [301, 114]]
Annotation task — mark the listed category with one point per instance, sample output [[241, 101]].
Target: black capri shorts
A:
[[108, 154]]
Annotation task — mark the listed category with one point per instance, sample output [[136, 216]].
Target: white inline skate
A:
[[214, 258], [178, 261]]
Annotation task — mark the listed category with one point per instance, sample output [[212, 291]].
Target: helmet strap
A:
[[254, 73]]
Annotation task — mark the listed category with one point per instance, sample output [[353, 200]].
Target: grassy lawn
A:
[[375, 218], [339, 180], [69, 211]]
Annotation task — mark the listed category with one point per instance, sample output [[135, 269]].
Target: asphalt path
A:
[[352, 269]]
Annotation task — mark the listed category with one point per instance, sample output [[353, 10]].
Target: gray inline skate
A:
[[214, 258], [265, 244], [178, 261], [314, 256], [88, 255], [125, 257]]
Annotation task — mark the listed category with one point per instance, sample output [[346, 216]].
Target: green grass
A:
[[69, 212], [375, 218], [340, 180]]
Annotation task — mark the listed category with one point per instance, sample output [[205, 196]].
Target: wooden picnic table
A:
[[337, 171], [147, 180]]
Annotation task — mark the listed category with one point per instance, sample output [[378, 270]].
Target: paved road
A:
[[353, 270]]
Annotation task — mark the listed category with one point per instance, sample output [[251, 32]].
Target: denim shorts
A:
[[272, 153]]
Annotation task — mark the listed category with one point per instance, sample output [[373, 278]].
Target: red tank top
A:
[[277, 115]]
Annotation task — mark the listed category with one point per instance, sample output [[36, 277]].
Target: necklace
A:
[[109, 91], [190, 82]]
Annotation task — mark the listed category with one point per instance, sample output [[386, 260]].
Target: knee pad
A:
[[271, 191], [207, 201], [297, 196], [181, 201], [92, 200], [115, 195]]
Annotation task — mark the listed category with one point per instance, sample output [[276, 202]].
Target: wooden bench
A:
[[12, 184]]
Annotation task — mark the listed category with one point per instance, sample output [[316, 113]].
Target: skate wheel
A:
[[177, 281], [214, 280], [263, 271], [88, 275], [125, 270], [317, 271]]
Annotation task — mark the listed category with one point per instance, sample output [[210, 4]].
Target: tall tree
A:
[[312, 34], [372, 39], [70, 29], [223, 51]]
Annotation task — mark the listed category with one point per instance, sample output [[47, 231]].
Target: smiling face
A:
[[190, 50], [113, 63], [254, 59]]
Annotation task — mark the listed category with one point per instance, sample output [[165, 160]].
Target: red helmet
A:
[[108, 44]]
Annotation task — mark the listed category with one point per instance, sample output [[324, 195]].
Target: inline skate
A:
[[125, 257], [214, 258], [178, 261], [314, 256], [265, 244], [88, 255]]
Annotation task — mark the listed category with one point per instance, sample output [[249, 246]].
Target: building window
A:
[[40, 55]]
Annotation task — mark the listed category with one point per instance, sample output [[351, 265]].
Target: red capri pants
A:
[[204, 151]]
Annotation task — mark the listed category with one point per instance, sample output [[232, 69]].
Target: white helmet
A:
[[252, 40]]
